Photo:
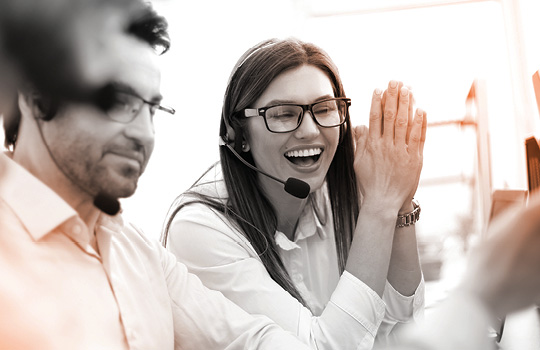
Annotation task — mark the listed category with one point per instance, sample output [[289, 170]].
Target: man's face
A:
[[102, 155]]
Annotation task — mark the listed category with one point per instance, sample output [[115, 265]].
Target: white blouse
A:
[[343, 313]]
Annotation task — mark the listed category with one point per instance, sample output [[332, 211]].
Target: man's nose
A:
[[142, 127]]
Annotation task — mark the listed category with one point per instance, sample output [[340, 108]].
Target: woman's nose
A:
[[308, 128]]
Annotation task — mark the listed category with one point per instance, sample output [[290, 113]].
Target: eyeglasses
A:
[[287, 117], [127, 107]]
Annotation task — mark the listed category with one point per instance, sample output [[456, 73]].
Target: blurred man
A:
[[502, 276], [67, 47], [74, 277]]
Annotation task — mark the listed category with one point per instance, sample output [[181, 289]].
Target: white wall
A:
[[437, 50]]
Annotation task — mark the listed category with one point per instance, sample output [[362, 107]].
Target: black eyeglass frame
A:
[[155, 105], [261, 112]]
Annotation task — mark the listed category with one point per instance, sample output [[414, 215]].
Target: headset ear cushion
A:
[[47, 107], [239, 136]]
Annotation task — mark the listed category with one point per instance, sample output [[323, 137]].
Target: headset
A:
[[292, 185]]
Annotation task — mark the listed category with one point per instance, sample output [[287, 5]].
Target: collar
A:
[[313, 220], [38, 207]]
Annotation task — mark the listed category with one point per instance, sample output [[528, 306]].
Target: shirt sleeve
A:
[[225, 261], [205, 319], [448, 327], [400, 310]]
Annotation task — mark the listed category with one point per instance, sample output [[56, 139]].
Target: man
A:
[[76, 278]]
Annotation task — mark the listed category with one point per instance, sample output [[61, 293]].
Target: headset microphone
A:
[[107, 204], [293, 186]]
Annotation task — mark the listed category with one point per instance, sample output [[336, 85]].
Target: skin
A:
[[92, 153], [501, 278], [388, 161], [503, 272], [302, 85]]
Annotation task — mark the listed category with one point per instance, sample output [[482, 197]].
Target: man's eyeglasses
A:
[[127, 107], [287, 117]]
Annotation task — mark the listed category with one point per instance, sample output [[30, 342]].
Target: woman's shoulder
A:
[[200, 224], [211, 184]]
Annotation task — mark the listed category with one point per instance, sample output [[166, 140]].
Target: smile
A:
[[304, 157], [132, 156]]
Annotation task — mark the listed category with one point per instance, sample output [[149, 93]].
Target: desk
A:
[[522, 331]]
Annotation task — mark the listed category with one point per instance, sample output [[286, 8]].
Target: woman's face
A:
[[305, 153]]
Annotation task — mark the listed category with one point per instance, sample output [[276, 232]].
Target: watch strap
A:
[[409, 218]]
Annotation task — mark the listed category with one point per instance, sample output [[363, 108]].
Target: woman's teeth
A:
[[304, 157], [304, 152]]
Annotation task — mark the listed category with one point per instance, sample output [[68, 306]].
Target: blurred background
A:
[[470, 65]]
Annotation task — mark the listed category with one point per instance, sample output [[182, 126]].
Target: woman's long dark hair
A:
[[247, 206]]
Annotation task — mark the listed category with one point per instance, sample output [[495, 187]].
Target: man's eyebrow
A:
[[130, 90]]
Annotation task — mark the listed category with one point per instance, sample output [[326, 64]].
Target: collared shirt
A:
[[57, 292], [343, 313]]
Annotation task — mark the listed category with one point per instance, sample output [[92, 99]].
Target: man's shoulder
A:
[[127, 233], [10, 223]]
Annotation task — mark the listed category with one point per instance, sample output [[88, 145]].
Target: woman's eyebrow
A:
[[282, 101]]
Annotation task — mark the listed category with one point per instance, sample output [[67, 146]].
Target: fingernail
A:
[[393, 84], [404, 91], [378, 91], [419, 116]]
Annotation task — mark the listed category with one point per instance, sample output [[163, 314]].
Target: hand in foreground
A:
[[388, 156], [504, 272]]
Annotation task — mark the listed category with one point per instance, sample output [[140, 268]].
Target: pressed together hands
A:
[[388, 155], [503, 272]]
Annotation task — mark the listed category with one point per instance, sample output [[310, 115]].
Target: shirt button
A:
[[77, 229]]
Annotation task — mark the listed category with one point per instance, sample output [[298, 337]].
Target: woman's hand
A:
[[388, 156]]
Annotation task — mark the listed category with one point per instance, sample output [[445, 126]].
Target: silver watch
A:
[[409, 218]]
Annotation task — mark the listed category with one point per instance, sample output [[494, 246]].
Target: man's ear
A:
[[37, 105], [26, 104]]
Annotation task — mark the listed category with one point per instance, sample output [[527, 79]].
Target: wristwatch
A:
[[409, 218]]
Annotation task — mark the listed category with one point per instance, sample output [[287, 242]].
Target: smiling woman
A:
[[328, 267]]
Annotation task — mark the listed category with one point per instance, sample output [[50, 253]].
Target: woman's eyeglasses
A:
[[287, 117]]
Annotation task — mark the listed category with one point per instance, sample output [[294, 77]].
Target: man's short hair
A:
[[147, 26]]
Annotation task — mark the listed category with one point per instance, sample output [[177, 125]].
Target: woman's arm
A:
[[405, 273], [224, 260], [388, 160], [205, 319]]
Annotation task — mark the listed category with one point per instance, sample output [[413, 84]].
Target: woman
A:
[[332, 268]]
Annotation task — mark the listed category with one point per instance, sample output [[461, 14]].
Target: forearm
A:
[[404, 272], [369, 256]]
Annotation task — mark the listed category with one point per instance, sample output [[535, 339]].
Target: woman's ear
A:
[[245, 146]]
